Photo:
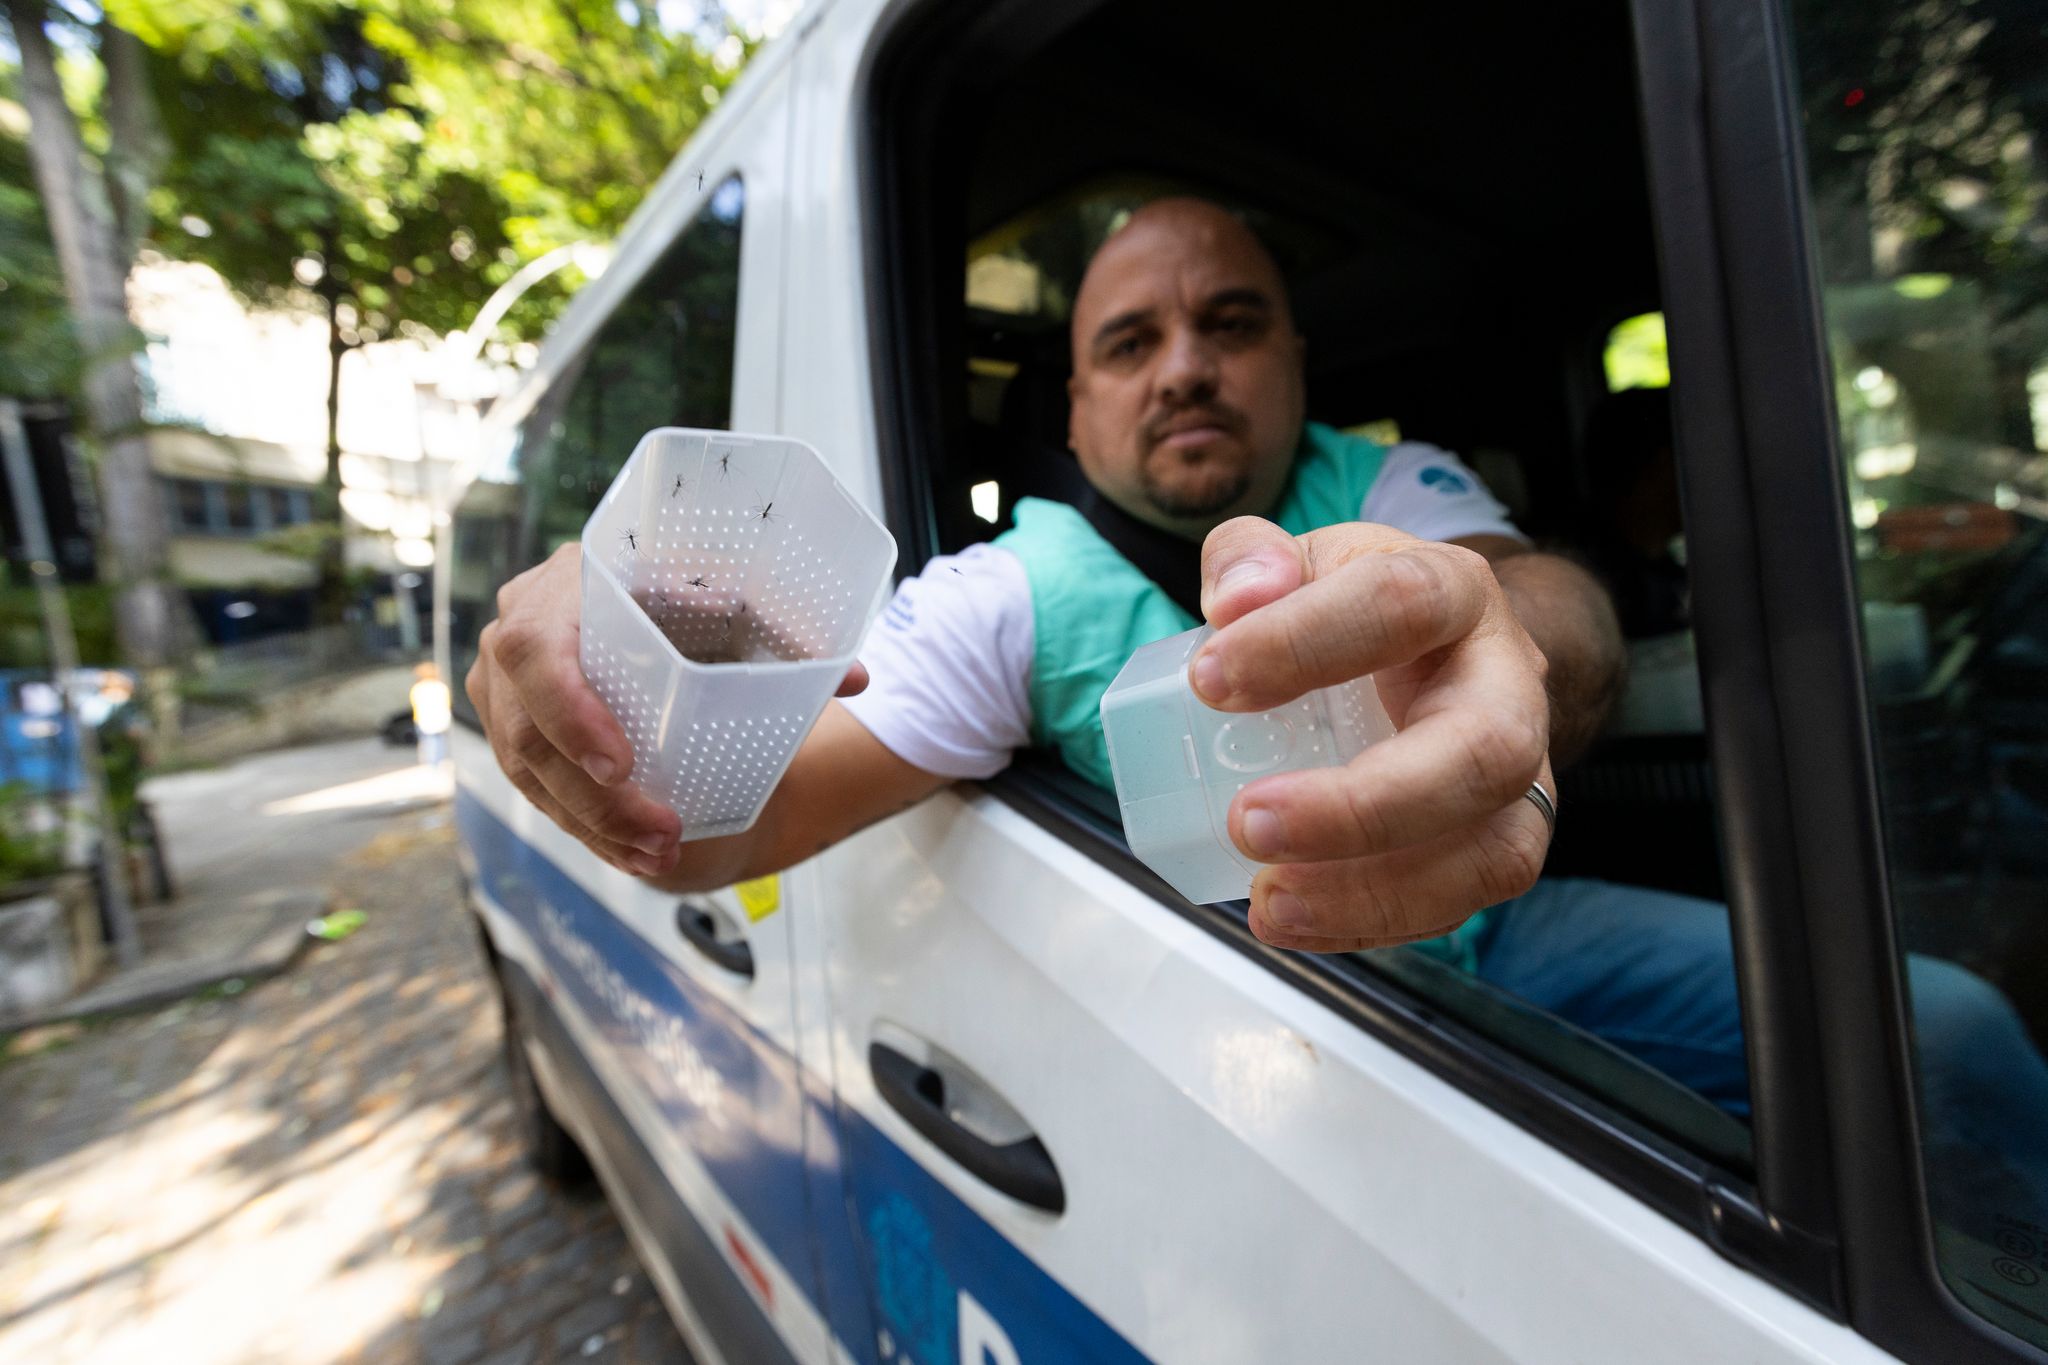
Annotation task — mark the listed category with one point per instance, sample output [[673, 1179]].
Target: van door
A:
[[1078, 1127], [1076, 1121], [679, 1008]]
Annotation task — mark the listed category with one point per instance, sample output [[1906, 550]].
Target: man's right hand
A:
[[553, 735]]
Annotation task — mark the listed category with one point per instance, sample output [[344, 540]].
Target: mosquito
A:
[[700, 180], [680, 484], [725, 465], [765, 512], [632, 540], [698, 582]]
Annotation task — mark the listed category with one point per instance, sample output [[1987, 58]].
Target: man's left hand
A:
[[1422, 829]]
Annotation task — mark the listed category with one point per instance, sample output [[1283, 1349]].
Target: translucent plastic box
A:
[[727, 581], [1178, 762]]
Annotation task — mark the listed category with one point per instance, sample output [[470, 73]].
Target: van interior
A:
[[1460, 239]]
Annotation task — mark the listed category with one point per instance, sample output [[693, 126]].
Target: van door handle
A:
[[1022, 1169], [700, 928]]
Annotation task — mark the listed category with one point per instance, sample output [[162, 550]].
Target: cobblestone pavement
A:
[[323, 1167]]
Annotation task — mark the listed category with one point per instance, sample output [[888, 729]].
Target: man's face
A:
[[1186, 400]]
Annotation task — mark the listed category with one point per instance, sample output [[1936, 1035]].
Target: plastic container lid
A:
[[1178, 762]]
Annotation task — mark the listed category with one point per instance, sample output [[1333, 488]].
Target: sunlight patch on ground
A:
[[413, 783]]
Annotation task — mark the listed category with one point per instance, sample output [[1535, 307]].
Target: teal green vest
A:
[[1092, 609]]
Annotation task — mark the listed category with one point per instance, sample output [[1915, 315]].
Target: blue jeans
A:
[[1653, 974]]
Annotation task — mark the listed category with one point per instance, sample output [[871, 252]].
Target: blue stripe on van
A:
[[935, 1261], [899, 1232], [731, 1095]]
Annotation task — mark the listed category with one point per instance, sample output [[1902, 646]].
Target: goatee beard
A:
[[1187, 506]]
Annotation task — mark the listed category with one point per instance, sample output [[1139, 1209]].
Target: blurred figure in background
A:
[[430, 714], [1636, 541]]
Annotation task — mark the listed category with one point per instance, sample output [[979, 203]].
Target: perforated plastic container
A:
[[1178, 762], [727, 581]]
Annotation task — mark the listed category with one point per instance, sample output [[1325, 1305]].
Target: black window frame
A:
[[1779, 1225]]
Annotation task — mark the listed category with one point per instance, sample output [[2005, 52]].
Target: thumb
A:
[[1246, 563]]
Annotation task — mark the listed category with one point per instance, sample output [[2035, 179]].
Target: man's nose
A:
[[1187, 369]]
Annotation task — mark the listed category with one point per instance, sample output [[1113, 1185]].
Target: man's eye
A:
[[1125, 347]]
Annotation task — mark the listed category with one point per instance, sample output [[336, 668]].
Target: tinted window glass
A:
[[1924, 127], [190, 504], [663, 358]]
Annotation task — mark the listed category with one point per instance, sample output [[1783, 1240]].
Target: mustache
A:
[[1216, 414]]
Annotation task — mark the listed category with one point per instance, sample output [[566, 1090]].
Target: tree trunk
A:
[[137, 147], [331, 592], [149, 613]]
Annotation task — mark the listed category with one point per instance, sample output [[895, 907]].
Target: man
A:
[[1187, 416]]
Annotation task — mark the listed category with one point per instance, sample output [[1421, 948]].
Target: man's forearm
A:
[[1568, 614], [706, 864]]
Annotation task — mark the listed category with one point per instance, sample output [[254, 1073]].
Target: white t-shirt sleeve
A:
[[949, 665], [1433, 495]]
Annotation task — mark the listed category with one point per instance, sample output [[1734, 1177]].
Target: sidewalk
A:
[[249, 846], [322, 1167]]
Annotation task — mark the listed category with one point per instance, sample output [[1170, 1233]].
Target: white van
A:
[[973, 1086]]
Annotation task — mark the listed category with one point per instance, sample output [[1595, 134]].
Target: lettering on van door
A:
[[656, 1032], [982, 1339]]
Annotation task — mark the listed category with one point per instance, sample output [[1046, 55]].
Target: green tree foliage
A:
[[38, 349], [572, 108], [388, 163], [301, 174], [395, 162], [441, 143], [1929, 121]]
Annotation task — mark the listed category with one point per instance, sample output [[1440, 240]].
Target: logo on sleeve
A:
[[1445, 481]]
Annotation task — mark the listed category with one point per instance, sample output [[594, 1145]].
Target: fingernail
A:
[[657, 844], [645, 867], [1264, 835], [1209, 679], [1284, 910], [1242, 574], [601, 769]]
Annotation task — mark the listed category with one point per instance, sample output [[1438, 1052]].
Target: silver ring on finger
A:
[[1543, 802]]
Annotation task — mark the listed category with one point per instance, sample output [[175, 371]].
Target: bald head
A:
[[1181, 226], [1187, 399]]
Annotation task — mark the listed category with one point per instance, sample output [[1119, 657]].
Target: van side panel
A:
[[727, 1097], [727, 1310]]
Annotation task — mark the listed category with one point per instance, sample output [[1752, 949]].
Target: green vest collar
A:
[[1091, 607]]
